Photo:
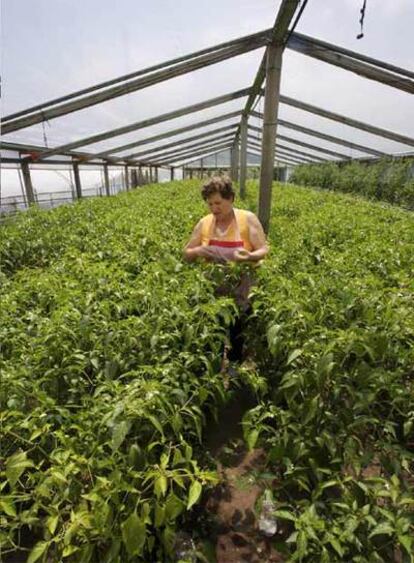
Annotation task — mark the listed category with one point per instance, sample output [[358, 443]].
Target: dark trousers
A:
[[237, 338], [240, 293]]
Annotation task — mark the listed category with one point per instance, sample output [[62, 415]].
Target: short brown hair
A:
[[218, 185]]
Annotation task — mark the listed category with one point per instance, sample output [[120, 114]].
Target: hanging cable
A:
[[361, 20]]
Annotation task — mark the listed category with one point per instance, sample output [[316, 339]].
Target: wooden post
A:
[[135, 177], [172, 174], [191, 173], [28, 186], [76, 175], [106, 178], [271, 106], [201, 168], [126, 177], [235, 161], [243, 156], [156, 174]]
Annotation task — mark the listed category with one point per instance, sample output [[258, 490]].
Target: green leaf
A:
[[382, 529], [337, 546], [133, 534], [194, 493], [112, 553], [407, 543], [69, 549], [8, 507], [37, 551], [252, 438], [119, 433], [160, 486], [311, 410], [294, 355], [407, 427], [36, 433], [15, 466], [51, 523], [159, 515], [173, 507], [156, 423], [285, 515]]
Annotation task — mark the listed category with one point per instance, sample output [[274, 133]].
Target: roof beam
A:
[[279, 158], [303, 144], [350, 61], [182, 141], [354, 54], [324, 136], [290, 149], [245, 45], [146, 122], [226, 136], [202, 147], [347, 121], [199, 153], [185, 163], [282, 152], [124, 78], [171, 133]]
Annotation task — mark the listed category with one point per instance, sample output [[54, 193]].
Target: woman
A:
[[225, 235]]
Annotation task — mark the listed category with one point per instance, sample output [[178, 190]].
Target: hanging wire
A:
[[361, 20]]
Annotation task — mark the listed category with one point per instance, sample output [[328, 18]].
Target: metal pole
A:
[[19, 172], [235, 161], [243, 156], [76, 175], [126, 177], [271, 106], [106, 179], [28, 186]]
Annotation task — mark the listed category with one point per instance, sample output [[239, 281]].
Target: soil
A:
[[232, 504]]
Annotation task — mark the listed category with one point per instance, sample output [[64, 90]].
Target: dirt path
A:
[[232, 503]]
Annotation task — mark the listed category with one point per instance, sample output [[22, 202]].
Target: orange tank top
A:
[[238, 230]]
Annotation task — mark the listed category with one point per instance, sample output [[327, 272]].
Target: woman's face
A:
[[219, 206]]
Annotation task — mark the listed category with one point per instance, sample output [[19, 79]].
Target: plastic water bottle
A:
[[185, 549], [267, 522]]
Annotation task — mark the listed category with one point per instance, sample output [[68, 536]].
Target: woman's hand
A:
[[206, 252], [242, 255], [201, 252]]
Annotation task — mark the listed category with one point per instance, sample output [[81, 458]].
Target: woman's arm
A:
[[257, 239], [194, 249]]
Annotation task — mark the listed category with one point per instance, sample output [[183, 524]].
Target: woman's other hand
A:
[[242, 255]]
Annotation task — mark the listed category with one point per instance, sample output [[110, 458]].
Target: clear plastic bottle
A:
[[267, 521], [185, 549]]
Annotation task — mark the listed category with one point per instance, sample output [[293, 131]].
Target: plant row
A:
[[333, 330], [111, 351], [387, 180]]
